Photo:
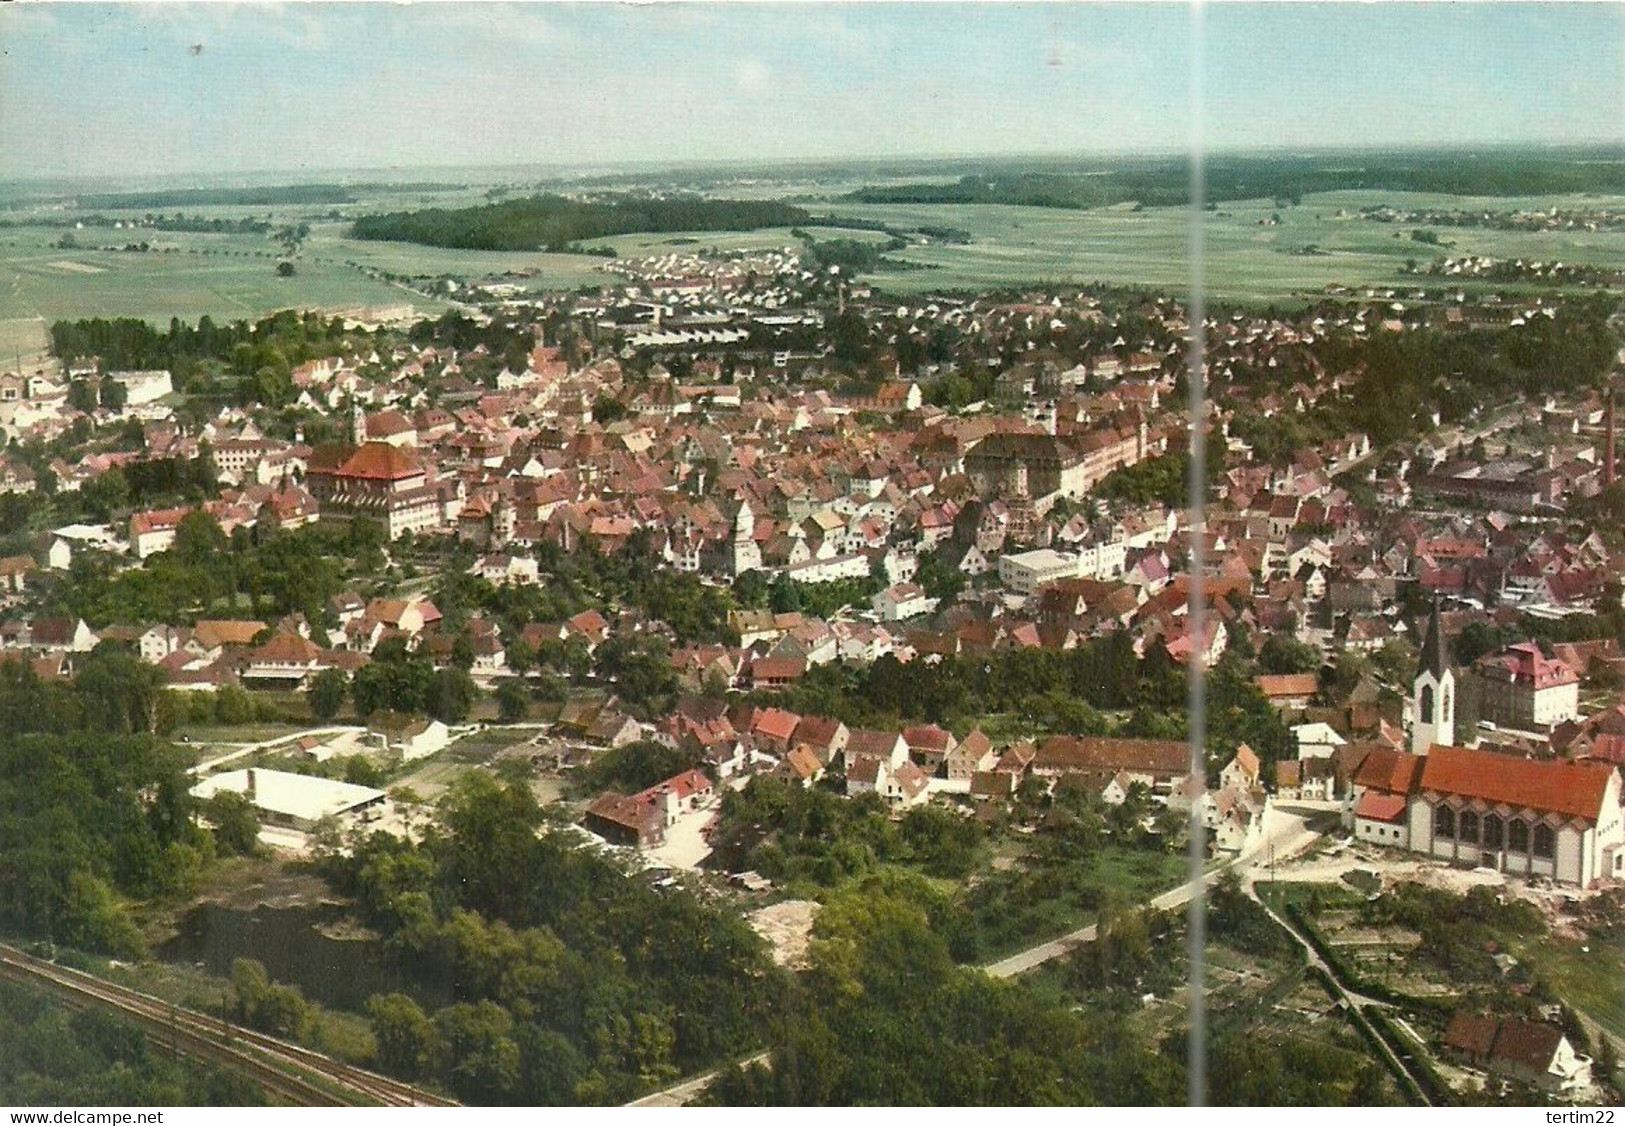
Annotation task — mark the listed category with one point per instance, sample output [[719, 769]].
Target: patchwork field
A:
[[1246, 259], [1255, 253], [223, 276]]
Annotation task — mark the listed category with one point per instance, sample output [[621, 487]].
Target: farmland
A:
[[223, 276], [1256, 253]]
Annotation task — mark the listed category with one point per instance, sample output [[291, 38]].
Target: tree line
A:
[[1166, 183], [555, 223]]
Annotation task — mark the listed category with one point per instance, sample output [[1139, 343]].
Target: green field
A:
[[1247, 260], [223, 276]]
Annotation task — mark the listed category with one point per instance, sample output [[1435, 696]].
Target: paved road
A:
[[686, 1092], [1290, 835], [251, 748]]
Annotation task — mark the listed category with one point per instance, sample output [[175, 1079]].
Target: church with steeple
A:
[[1433, 692]]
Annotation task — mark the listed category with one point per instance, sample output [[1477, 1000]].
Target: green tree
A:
[[199, 540], [236, 822], [513, 701], [327, 692], [408, 1041], [82, 396], [232, 705], [1282, 653], [479, 1057], [451, 695], [114, 395]]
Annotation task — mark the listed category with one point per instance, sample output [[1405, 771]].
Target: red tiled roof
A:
[[1575, 789], [866, 743], [820, 731], [775, 723], [1376, 806], [1390, 772], [1141, 756], [1287, 684], [927, 737], [777, 668], [1471, 1033], [380, 461], [684, 785]]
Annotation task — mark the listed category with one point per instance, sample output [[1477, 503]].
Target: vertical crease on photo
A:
[[1196, 683]]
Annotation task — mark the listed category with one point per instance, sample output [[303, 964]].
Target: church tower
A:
[[747, 553], [1433, 693], [358, 424]]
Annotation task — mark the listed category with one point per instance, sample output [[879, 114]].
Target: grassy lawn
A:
[[1592, 982], [1026, 905], [207, 735]]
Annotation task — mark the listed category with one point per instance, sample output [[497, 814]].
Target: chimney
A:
[[250, 790], [1608, 444]]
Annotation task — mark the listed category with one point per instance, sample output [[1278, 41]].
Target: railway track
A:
[[298, 1075]]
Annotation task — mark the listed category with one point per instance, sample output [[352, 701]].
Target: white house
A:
[[899, 602]]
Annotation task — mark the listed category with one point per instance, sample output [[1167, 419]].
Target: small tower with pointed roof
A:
[[1433, 692]]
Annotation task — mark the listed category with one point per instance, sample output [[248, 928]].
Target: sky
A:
[[227, 88]]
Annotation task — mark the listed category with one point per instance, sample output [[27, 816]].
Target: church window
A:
[[1545, 841], [1444, 822], [1467, 826], [1427, 703]]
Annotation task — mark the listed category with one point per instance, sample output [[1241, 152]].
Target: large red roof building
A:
[[375, 481]]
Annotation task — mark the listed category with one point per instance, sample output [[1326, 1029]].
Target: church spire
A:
[[1433, 693], [1435, 656]]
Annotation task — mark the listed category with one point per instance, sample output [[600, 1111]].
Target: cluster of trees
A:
[[571, 980], [251, 574], [851, 255], [85, 395], [256, 1002], [53, 1056], [397, 682], [1281, 1070], [249, 361], [94, 810], [277, 196], [783, 595], [633, 767], [551, 222], [589, 579], [793, 834], [1087, 858], [1407, 377], [1460, 934], [1160, 480], [1069, 691], [885, 1017]]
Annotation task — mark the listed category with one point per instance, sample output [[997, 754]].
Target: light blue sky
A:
[[93, 90]]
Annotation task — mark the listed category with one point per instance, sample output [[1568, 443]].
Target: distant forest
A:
[[1167, 184], [288, 194], [550, 222]]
